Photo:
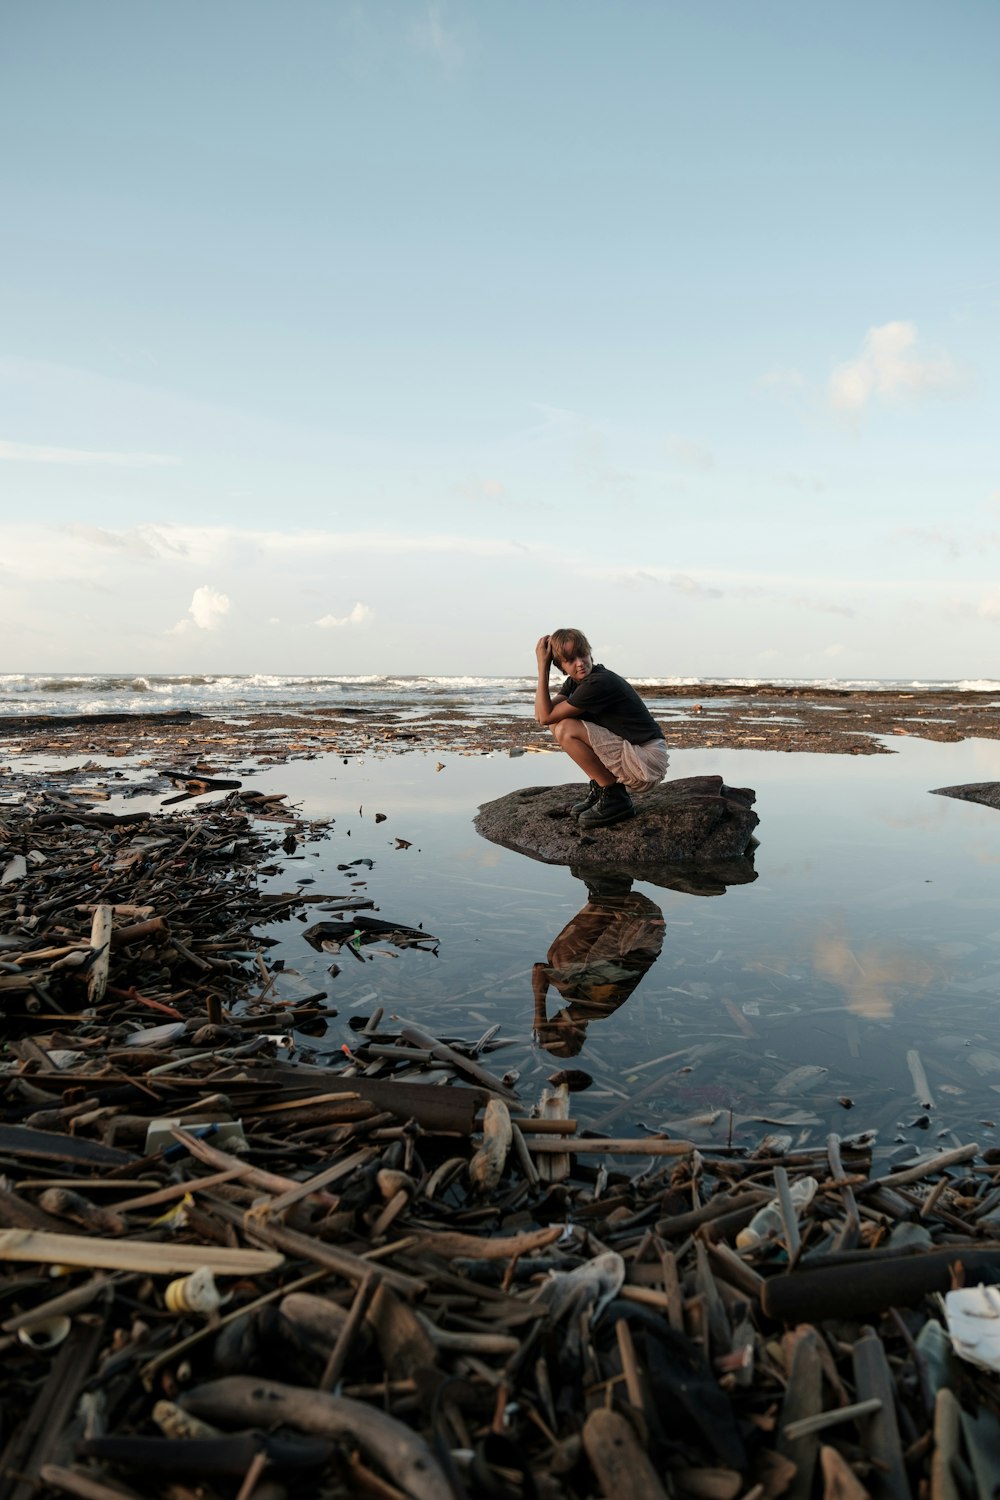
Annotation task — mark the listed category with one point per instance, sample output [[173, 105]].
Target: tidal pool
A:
[[853, 985]]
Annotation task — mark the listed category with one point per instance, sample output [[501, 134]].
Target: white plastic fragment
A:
[[973, 1316], [593, 1284], [16, 869], [768, 1219]]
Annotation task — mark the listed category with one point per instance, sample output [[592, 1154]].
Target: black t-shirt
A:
[[607, 699]]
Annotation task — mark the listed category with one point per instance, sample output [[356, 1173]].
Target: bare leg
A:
[[572, 737]]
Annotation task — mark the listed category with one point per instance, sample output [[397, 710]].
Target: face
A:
[[577, 667]]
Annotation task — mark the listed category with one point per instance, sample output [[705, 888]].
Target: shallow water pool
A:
[[854, 984]]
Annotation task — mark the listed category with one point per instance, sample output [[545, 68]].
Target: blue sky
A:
[[384, 337]]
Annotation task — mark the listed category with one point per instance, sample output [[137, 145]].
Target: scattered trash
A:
[[435, 1281]]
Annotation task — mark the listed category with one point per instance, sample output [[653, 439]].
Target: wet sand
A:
[[831, 721]]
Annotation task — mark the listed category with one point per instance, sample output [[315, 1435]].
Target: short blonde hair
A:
[[565, 644]]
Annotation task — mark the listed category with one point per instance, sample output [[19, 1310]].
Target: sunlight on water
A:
[[870, 933]]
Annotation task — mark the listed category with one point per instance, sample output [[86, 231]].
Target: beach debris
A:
[[330, 937], [223, 1265], [973, 1317]]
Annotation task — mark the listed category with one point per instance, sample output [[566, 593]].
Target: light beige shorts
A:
[[638, 767]]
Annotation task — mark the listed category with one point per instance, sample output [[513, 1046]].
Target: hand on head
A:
[[543, 651]]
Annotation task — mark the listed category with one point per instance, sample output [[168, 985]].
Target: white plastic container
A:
[[196, 1293], [767, 1221]]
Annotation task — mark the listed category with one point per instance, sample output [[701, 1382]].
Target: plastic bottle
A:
[[196, 1293], [768, 1221]]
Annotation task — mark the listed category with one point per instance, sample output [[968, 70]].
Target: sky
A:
[[386, 337]]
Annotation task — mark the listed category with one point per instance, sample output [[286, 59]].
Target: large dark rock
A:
[[693, 834], [986, 792]]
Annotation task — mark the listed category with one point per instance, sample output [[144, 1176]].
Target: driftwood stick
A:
[[245, 1400], [824, 1419], [630, 1365], [864, 1285], [678, 1226], [333, 1257], [461, 1064], [788, 1215], [268, 1182], [452, 1244], [947, 1442], [925, 1169], [87, 1486], [138, 932], [618, 1459], [100, 942], [554, 1165], [347, 1334], [132, 1255], [879, 1430], [840, 1481], [803, 1398], [650, 1146], [524, 1156]]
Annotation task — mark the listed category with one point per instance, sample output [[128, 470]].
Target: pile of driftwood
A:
[[224, 1274]]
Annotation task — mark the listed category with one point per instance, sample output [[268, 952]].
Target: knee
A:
[[561, 730]]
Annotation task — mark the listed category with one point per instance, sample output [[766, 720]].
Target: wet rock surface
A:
[[694, 820], [750, 716], [986, 792]]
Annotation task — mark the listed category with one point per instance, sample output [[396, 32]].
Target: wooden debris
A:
[[431, 1286]]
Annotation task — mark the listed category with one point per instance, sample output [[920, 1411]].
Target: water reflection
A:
[[596, 961], [872, 979]]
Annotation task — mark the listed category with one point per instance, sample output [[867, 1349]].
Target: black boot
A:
[[613, 806], [591, 800]]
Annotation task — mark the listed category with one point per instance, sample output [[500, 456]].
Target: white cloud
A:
[[138, 541], [482, 489], [683, 583], [206, 609], [888, 366], [989, 606], [31, 453], [358, 615], [690, 455], [929, 536]]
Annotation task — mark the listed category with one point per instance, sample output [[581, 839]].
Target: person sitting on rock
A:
[[603, 725]]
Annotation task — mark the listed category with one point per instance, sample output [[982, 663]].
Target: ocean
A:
[[242, 694]]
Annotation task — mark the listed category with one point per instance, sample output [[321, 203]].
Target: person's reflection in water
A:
[[596, 961]]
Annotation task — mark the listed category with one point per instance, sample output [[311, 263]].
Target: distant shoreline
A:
[[761, 716]]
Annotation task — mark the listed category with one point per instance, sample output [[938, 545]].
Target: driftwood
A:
[[489, 1279], [863, 1285], [243, 1401], [131, 1255], [618, 1458]]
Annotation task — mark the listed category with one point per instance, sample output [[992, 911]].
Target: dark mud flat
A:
[[831, 721], [226, 1274]]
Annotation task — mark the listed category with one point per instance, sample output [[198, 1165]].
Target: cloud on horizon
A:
[[207, 608], [358, 616]]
